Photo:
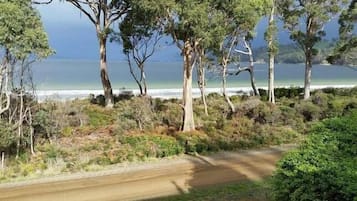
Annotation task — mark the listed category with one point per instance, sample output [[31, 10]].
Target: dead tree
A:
[[250, 67]]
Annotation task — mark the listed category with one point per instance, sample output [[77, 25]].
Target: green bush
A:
[[196, 142], [148, 145], [98, 116], [324, 167], [136, 113], [283, 92], [309, 111], [7, 136]]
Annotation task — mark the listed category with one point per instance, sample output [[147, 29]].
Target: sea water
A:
[[68, 79]]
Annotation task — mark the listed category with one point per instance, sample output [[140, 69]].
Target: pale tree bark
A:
[[308, 49], [250, 68], [202, 80], [2, 160], [189, 62], [5, 98], [20, 124], [32, 131], [271, 94], [21, 110], [107, 87], [226, 55], [308, 69], [224, 84]]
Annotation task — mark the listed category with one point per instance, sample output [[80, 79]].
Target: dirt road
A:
[[150, 180]]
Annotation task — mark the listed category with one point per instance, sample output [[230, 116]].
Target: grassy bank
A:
[[81, 135]]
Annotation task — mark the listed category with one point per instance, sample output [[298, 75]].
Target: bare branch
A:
[[241, 52], [240, 69], [78, 5]]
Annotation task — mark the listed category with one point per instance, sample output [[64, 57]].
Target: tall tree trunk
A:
[[32, 131], [4, 84], [108, 92], [202, 82], [251, 72], [271, 78], [20, 124], [2, 160], [250, 68], [272, 52], [224, 84], [308, 69], [188, 120], [143, 80]]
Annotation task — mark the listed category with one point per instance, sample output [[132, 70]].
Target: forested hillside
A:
[[291, 53]]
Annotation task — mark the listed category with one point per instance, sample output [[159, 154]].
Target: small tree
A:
[[7, 139], [140, 35], [240, 18], [191, 24], [23, 40], [250, 68], [315, 13]]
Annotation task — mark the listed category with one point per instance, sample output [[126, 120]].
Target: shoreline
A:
[[67, 95]]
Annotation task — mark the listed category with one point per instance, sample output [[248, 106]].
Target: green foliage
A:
[[324, 167], [98, 116], [93, 137], [21, 30], [136, 113], [45, 123], [196, 142], [148, 145], [348, 39], [7, 135]]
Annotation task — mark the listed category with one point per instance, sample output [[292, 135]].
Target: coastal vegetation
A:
[[53, 137], [83, 136]]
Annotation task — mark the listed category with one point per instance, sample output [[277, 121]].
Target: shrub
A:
[[147, 145], [309, 111], [196, 142], [324, 166], [98, 116], [135, 113], [7, 136]]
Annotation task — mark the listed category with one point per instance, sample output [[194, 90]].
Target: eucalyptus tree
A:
[[22, 41], [305, 19], [248, 51], [240, 19], [140, 33], [270, 37], [192, 25], [102, 14], [348, 39]]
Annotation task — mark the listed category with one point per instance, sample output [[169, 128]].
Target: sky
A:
[[72, 35]]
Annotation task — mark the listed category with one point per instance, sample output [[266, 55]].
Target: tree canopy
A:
[[21, 30], [348, 38]]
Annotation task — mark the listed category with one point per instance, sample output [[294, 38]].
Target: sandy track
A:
[[150, 181]]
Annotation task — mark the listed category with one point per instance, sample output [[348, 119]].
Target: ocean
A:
[[68, 79]]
